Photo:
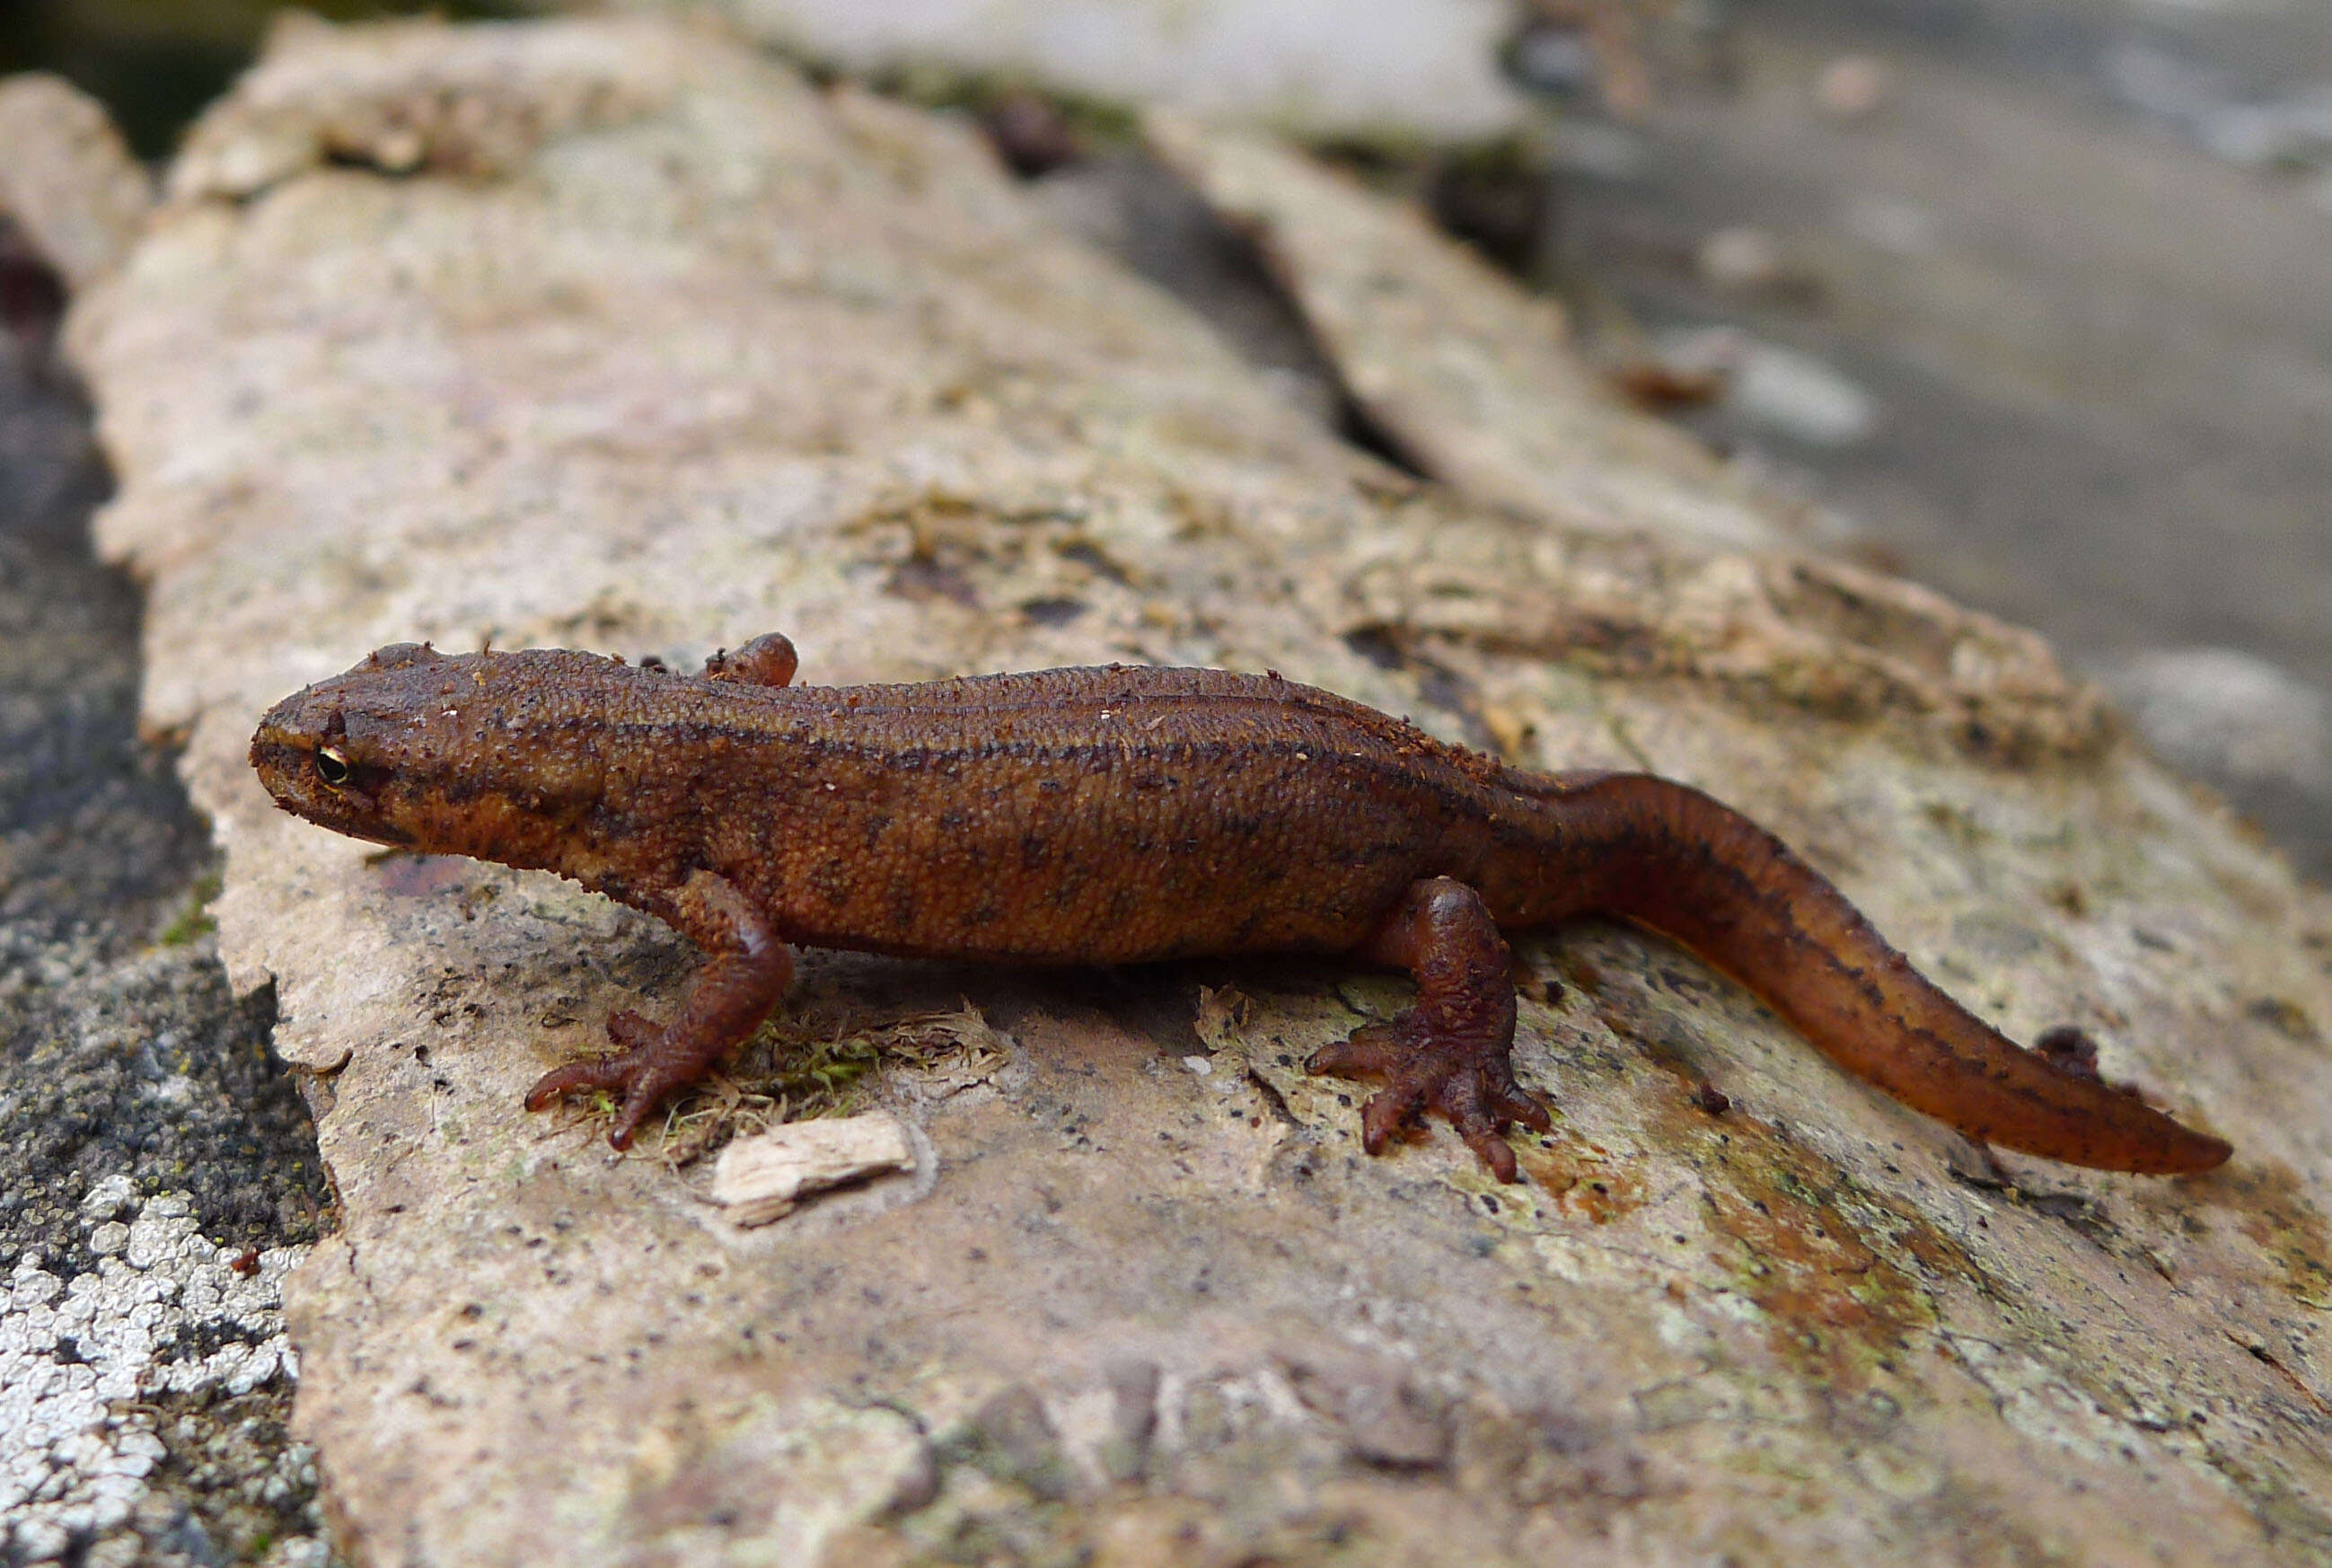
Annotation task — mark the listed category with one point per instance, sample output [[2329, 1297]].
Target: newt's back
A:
[[1087, 815], [1077, 816]]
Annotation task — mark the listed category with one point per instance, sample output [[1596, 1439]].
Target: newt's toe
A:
[[590, 1076], [1469, 1082], [1373, 1048], [641, 1076]]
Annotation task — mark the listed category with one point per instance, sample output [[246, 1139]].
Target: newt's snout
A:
[[302, 756], [306, 759], [495, 755]]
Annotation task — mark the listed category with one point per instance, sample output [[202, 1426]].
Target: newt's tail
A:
[[1669, 858]]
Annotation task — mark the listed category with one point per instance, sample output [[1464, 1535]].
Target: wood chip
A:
[[765, 1178]]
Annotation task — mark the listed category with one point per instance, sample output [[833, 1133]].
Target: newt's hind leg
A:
[[1449, 1054]]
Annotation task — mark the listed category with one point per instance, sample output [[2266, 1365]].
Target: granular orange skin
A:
[[1123, 814]]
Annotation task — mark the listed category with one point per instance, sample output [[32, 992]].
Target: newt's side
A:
[[1108, 815]]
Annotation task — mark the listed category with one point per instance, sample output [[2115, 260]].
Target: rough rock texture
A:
[[147, 1141], [107, 1378], [67, 178], [1403, 66], [1474, 381], [728, 354]]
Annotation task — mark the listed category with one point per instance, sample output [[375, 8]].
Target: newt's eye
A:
[[331, 767]]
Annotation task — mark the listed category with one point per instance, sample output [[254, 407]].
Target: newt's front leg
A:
[[747, 973], [1450, 1053]]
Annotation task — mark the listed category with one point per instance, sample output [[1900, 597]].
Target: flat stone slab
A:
[[603, 334]]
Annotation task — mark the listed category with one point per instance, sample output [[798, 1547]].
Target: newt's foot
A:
[[643, 1073], [1467, 1081]]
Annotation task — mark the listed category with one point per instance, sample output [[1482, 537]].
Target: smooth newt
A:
[[1120, 815]]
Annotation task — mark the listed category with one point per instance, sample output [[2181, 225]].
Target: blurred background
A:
[[2029, 299], [154, 63]]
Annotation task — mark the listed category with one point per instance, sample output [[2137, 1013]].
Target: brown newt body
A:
[[1119, 814]]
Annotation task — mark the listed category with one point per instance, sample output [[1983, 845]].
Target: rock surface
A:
[[1472, 380], [157, 1174], [714, 353], [68, 178], [159, 1358], [2101, 365], [1413, 67]]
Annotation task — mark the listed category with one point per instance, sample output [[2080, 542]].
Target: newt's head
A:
[[476, 754]]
